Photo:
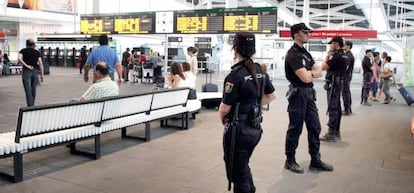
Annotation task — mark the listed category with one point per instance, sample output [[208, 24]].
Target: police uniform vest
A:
[[337, 65], [298, 57], [249, 109]]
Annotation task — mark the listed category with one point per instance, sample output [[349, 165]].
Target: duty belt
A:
[[304, 89]]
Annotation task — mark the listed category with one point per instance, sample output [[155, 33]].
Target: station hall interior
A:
[[376, 153]]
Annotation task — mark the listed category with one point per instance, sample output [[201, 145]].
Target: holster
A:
[[253, 118], [291, 92], [327, 85]]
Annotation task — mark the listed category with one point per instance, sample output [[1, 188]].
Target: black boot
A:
[[319, 165], [291, 165]]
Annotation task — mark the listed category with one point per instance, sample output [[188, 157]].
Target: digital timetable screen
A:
[[142, 23], [96, 25], [256, 20], [207, 21], [201, 21]]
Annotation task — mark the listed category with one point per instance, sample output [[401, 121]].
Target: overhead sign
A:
[[205, 21], [137, 23], [97, 25], [199, 21], [346, 34], [256, 20]]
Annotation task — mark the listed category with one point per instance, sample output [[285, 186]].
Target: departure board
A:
[[206, 21], [256, 20], [142, 23], [200, 21], [96, 25]]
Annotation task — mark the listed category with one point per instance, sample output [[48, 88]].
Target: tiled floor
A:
[[376, 154]]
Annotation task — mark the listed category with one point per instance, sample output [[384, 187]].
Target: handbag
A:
[[386, 73]]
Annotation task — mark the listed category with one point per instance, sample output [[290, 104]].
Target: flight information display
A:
[[207, 21], [96, 25], [256, 20], [142, 23]]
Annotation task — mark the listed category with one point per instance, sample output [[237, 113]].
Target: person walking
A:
[[246, 88], [104, 54], [335, 66], [125, 63], [300, 70], [346, 91], [387, 80], [83, 57], [32, 63]]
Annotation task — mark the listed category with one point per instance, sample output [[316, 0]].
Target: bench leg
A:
[[18, 167], [97, 146], [147, 133], [95, 155]]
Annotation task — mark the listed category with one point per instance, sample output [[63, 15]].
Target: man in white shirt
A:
[[102, 85]]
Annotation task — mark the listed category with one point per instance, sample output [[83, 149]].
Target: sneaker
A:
[[346, 113], [375, 99], [337, 137], [328, 137], [319, 165], [294, 167]]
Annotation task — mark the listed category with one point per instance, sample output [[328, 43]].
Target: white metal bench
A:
[[124, 111], [18, 69], [41, 127]]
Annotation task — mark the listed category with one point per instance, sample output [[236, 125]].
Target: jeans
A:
[[126, 72], [30, 79], [386, 88]]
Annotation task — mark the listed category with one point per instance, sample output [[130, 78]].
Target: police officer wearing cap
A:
[[346, 91], [300, 71], [335, 65], [246, 89]]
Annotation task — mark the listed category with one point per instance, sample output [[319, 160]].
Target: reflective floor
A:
[[375, 155]]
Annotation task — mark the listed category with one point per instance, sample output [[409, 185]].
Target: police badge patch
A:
[[228, 87]]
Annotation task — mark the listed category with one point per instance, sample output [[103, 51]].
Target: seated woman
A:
[[176, 76]]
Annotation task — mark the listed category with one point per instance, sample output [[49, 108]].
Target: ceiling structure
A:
[[393, 19]]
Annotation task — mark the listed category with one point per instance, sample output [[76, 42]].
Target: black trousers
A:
[[302, 108], [366, 86], [246, 140], [346, 94], [334, 108]]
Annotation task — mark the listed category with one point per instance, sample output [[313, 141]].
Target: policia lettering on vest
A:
[[246, 89], [300, 71]]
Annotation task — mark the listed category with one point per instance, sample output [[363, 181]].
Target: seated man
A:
[[102, 85]]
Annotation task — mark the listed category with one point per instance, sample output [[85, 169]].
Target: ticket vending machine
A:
[[56, 56], [70, 57], [43, 55], [61, 57]]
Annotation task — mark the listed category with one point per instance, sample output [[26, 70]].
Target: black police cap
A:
[[299, 27], [337, 39]]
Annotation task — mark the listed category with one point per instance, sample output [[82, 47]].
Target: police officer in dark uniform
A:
[[246, 89], [367, 76], [346, 91], [335, 65], [300, 71]]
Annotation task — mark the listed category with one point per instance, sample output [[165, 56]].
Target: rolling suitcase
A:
[[406, 94], [210, 87]]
